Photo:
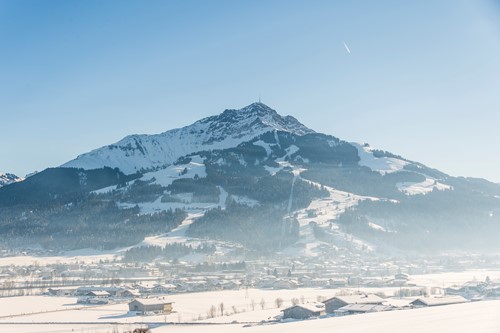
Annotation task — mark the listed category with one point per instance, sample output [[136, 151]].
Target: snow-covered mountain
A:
[[226, 130], [254, 178], [9, 178]]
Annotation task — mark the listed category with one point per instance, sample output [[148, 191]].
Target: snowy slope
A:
[[9, 178], [381, 164], [226, 130]]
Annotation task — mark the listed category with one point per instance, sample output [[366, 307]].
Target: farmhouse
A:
[[150, 305], [129, 293], [437, 301], [362, 308], [304, 311], [61, 291], [98, 294], [337, 302]]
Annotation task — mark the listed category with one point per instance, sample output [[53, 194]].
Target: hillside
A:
[[254, 178]]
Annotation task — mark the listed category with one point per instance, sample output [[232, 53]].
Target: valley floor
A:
[[477, 317], [253, 310]]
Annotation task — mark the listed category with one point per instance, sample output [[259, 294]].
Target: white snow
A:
[[272, 170], [376, 227], [481, 317], [165, 177], [428, 185], [324, 212], [9, 178], [383, 164], [226, 130]]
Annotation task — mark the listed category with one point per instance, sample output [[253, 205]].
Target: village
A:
[[250, 292]]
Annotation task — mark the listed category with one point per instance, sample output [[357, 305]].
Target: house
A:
[[129, 293], [362, 308], [163, 288], [304, 311], [437, 301], [284, 284], [98, 294], [61, 291], [338, 302], [94, 297], [150, 305], [80, 291]]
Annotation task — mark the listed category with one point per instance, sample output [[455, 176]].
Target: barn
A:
[[362, 308], [304, 311], [337, 302], [150, 305], [437, 301]]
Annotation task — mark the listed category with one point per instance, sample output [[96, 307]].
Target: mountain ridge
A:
[[228, 129], [9, 178], [254, 178]]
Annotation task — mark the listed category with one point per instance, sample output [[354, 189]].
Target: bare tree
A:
[[302, 299], [262, 303], [252, 304], [221, 308], [212, 312], [279, 302], [295, 301]]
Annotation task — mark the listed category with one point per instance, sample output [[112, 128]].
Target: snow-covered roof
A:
[[365, 308], [150, 301], [434, 301], [99, 293], [357, 299], [313, 307]]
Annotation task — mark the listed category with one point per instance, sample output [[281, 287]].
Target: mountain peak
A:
[[226, 130], [9, 178], [258, 107]]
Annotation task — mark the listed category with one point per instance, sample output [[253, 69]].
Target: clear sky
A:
[[422, 79]]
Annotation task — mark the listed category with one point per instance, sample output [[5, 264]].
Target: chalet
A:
[[94, 297], [304, 311], [150, 305], [337, 302], [437, 301], [163, 288], [362, 308], [98, 294], [129, 293], [113, 290], [61, 291], [284, 284]]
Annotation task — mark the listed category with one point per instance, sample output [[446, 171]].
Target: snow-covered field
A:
[[477, 317], [480, 317], [454, 278], [44, 314]]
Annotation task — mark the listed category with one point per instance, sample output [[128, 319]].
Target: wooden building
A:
[[304, 311], [337, 302], [150, 306], [362, 308], [437, 301]]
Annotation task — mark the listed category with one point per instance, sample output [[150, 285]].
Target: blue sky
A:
[[422, 79]]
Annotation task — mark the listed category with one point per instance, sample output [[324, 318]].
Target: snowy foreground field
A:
[[253, 310], [478, 317]]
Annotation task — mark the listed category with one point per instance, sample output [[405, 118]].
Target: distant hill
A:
[[9, 178]]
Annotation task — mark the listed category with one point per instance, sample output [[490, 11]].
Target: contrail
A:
[[346, 47]]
